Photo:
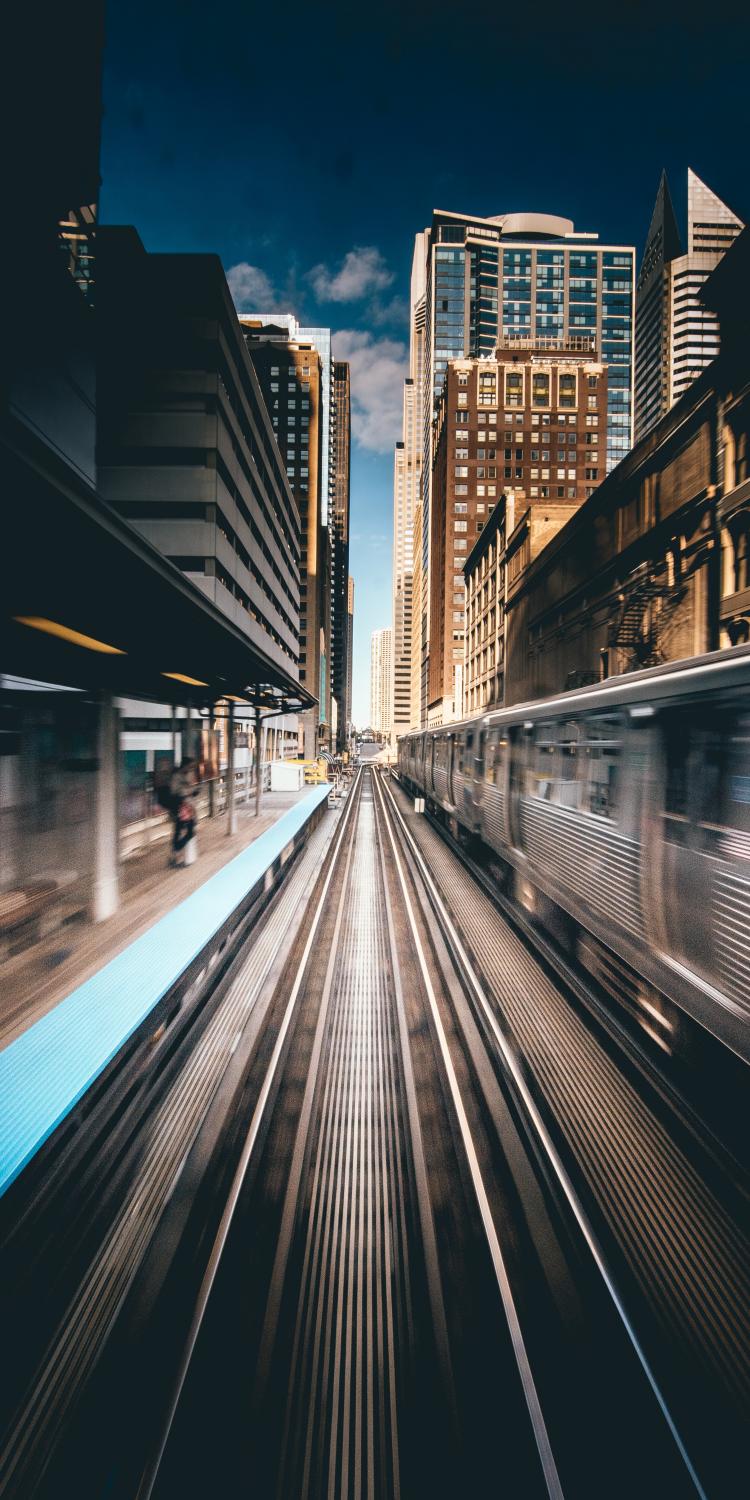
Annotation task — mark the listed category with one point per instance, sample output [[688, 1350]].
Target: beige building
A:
[[381, 682], [407, 482]]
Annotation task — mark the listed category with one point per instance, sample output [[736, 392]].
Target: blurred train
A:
[[619, 818]]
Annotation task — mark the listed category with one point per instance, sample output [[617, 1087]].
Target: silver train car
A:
[[620, 818]]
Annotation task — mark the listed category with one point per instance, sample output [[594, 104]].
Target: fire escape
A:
[[639, 628]]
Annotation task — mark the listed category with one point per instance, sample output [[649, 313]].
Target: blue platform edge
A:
[[46, 1070]]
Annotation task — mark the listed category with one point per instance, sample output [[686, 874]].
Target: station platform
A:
[[36, 979], [68, 1028]]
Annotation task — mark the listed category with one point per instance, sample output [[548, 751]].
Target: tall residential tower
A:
[[381, 682]]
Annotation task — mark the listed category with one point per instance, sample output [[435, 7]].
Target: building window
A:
[[461, 471], [461, 489], [540, 389], [460, 525], [567, 390], [462, 453], [513, 388], [592, 421], [461, 508]]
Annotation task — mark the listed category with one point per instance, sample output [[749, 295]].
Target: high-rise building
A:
[[292, 376], [340, 490], [381, 681], [517, 277], [185, 447], [532, 422], [350, 652], [676, 336], [407, 480]]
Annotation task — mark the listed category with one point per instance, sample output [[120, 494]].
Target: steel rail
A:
[[153, 1464], [533, 1115], [531, 1396]]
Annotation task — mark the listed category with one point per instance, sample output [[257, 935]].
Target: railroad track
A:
[[399, 1279], [392, 1334]]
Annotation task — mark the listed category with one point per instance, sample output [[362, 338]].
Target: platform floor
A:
[[32, 981]]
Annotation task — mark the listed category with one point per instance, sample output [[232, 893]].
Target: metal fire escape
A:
[[639, 628]]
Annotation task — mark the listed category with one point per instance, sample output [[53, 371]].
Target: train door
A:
[[517, 760], [691, 743], [450, 750]]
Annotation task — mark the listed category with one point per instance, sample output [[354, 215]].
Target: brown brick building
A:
[[530, 420]]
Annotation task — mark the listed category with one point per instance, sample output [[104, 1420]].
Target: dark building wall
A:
[[50, 109], [185, 447]]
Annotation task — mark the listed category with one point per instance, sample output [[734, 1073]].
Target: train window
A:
[[554, 773], [602, 754], [494, 756], [736, 788]]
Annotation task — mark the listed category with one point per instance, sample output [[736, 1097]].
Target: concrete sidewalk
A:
[[33, 981]]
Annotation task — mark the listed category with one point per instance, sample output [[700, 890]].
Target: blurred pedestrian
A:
[[182, 788]]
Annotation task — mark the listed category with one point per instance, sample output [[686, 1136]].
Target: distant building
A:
[[407, 488], [340, 510], [381, 669], [350, 651], [291, 374], [532, 420], [676, 336]]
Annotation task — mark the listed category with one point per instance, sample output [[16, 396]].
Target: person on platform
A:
[[182, 787]]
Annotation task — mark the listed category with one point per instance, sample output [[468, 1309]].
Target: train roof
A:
[[665, 681], [670, 680]]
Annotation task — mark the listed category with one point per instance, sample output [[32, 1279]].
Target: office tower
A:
[[185, 447], [292, 376], [381, 681], [531, 423], [676, 336], [341, 474], [350, 652], [407, 480], [518, 277]]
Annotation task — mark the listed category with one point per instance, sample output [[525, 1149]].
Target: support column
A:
[[106, 886], [174, 736], [258, 763], [211, 760], [231, 807]]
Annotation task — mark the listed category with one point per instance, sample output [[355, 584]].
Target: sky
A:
[[306, 145]]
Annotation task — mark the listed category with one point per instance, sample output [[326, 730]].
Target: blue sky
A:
[[306, 145]]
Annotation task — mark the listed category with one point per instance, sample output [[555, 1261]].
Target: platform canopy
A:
[[88, 603]]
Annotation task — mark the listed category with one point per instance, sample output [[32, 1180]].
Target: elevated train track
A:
[[426, 1233]]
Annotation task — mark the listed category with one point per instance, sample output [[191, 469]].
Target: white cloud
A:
[[362, 271], [252, 290], [378, 367]]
